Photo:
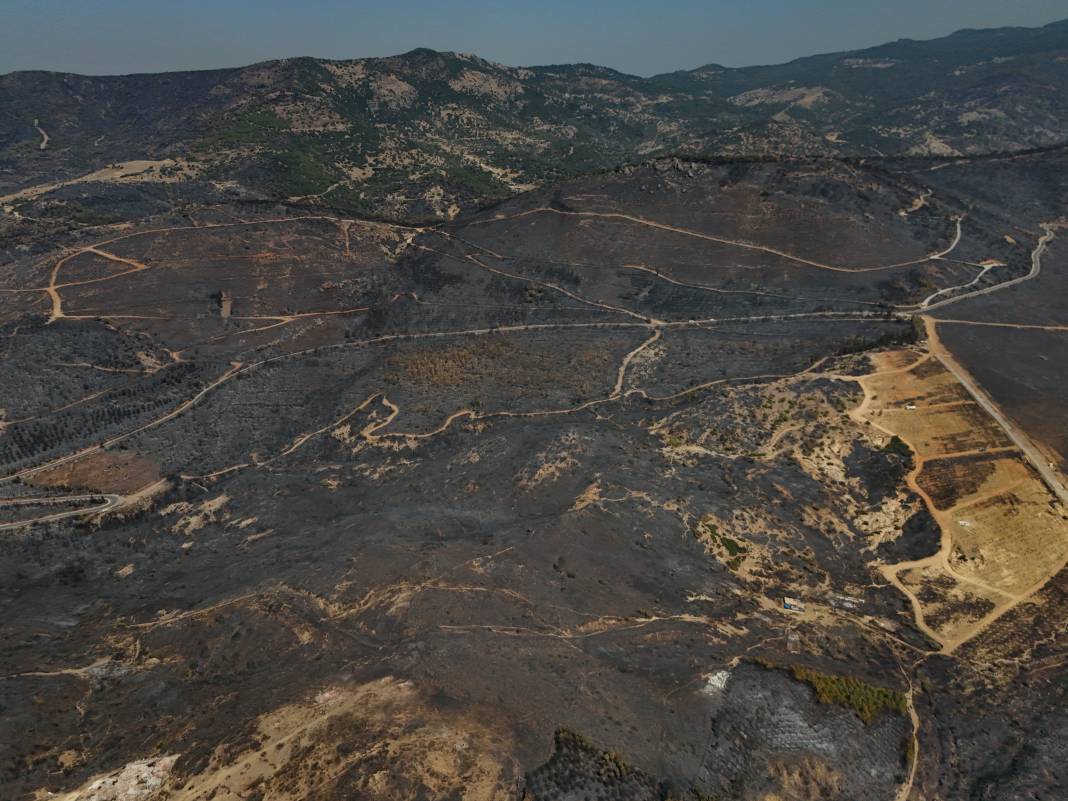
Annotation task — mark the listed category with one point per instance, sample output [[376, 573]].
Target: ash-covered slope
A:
[[642, 485], [648, 483]]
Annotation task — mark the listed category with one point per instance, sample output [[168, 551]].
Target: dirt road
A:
[[1030, 452], [738, 242], [1036, 268], [44, 136], [111, 501]]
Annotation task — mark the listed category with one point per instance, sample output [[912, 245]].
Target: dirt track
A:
[[111, 502], [940, 560], [1030, 452], [737, 242], [1036, 268]]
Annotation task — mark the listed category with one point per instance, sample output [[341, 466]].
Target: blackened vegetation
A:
[[36, 440], [902, 336], [946, 481], [919, 538], [531, 560], [881, 471], [51, 365], [579, 770]]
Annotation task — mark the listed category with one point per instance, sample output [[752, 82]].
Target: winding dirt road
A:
[[110, 501], [376, 429], [44, 136], [734, 242], [1050, 229]]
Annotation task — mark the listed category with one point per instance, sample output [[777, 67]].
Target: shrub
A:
[[897, 446], [863, 698]]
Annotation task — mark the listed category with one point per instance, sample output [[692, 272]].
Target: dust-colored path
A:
[[113, 502], [905, 790], [621, 374], [941, 557], [661, 276], [1056, 328], [53, 500], [890, 572], [1031, 453], [278, 320], [947, 645], [566, 292], [1007, 600], [926, 303], [110, 501], [53, 287], [375, 430], [235, 369], [768, 449], [732, 242], [79, 672], [44, 136], [239, 368], [1050, 229], [55, 410]]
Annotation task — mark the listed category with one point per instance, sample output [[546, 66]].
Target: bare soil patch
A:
[[119, 472]]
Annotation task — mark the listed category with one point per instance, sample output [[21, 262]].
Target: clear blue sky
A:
[[119, 36]]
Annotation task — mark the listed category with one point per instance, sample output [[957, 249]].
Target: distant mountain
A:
[[424, 134]]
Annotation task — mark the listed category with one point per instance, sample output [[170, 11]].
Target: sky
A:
[[643, 38]]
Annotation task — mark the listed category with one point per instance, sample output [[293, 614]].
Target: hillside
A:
[[424, 429], [426, 134]]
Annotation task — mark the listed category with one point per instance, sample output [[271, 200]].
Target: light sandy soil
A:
[[377, 741], [1003, 537], [126, 172], [136, 781], [113, 471]]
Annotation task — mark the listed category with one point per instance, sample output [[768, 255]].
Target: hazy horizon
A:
[[122, 37]]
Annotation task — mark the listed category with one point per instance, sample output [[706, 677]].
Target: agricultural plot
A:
[[1003, 531]]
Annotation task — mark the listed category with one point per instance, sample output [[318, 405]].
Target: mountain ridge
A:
[[426, 134], [421, 50], [425, 428]]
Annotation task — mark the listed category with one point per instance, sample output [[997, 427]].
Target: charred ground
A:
[[511, 505]]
